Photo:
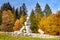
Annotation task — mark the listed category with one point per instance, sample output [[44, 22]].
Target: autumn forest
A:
[[12, 19]]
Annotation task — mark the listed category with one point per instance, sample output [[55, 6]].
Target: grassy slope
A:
[[8, 37]]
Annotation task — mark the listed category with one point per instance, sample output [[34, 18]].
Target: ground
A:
[[8, 37]]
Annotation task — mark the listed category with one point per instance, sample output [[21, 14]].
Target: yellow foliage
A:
[[7, 17], [19, 23], [7, 20], [16, 25], [22, 19], [50, 24]]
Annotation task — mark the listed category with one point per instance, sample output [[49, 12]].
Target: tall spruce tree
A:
[[0, 17], [6, 6], [24, 9], [20, 13], [16, 13], [38, 10], [32, 16], [13, 9], [47, 10], [33, 25], [38, 13]]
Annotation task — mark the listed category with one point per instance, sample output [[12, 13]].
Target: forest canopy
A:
[[12, 19]]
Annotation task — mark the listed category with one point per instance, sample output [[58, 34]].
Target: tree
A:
[[50, 25], [6, 6], [16, 13], [16, 25], [20, 13], [38, 9], [35, 17], [24, 10], [32, 15], [13, 9], [33, 25], [47, 10], [7, 20], [22, 19], [0, 17], [19, 23], [38, 13]]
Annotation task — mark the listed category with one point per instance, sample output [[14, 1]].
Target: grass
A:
[[8, 37]]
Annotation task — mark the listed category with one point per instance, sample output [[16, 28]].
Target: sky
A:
[[30, 4]]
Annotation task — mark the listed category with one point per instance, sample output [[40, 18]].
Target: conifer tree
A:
[[33, 25], [13, 9], [16, 13], [47, 10], [38, 13], [38, 10], [32, 15], [20, 13], [6, 6], [24, 9], [0, 17]]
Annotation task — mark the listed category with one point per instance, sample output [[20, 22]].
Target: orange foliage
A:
[[50, 24], [7, 17], [16, 25], [7, 20], [19, 23], [22, 19]]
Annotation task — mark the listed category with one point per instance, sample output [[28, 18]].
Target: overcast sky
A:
[[54, 4]]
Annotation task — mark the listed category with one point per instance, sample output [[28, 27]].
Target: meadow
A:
[[9, 37]]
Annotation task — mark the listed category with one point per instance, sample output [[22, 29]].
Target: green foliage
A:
[[7, 19], [16, 13], [32, 16], [6, 6], [47, 10], [38, 9], [0, 17], [33, 25], [38, 13], [35, 17], [9, 37], [20, 12], [24, 9], [22, 19], [13, 9]]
